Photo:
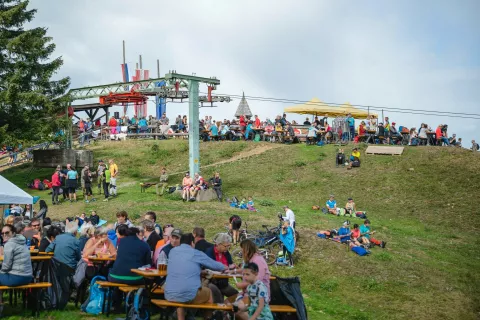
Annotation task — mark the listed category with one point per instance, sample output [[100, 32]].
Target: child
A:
[[257, 293], [234, 202], [243, 204], [122, 218], [251, 205], [287, 237]]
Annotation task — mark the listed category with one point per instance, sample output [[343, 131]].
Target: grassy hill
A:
[[422, 203]]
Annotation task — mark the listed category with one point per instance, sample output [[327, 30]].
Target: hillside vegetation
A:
[[422, 203]]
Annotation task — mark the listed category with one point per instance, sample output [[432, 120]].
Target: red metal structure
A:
[[119, 98]]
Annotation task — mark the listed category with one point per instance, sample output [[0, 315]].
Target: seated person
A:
[[312, 133], [350, 207], [17, 265], [362, 130], [214, 131], [66, 247], [355, 154], [453, 139], [332, 205], [354, 164], [381, 132], [393, 132], [249, 131], [366, 233], [187, 183], [343, 233], [132, 253], [340, 158], [355, 235], [175, 236], [183, 280], [198, 184]]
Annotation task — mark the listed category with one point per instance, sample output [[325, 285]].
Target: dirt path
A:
[[246, 154]]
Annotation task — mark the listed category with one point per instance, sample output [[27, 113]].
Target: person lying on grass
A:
[[366, 233]]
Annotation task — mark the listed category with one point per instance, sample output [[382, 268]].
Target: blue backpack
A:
[[135, 306], [361, 251], [94, 303]]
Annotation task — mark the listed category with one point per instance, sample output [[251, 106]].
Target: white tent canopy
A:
[[10, 193]]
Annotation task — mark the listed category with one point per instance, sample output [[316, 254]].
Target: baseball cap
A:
[[394, 123], [346, 223], [100, 160], [350, 199], [176, 233]]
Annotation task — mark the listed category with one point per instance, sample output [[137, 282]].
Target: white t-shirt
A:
[[290, 217]]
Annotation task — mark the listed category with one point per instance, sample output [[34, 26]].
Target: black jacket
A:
[[203, 245]]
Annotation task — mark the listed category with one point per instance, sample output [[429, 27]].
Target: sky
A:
[[394, 54]]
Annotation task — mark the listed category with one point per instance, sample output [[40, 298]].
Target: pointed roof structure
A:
[[243, 108]]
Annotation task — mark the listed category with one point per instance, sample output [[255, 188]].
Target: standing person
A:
[[72, 177], [289, 216], [63, 180], [474, 146], [113, 180], [257, 293], [87, 178], [235, 224], [82, 180], [351, 125], [106, 182], [163, 182], [100, 169], [56, 183], [216, 183], [287, 236]]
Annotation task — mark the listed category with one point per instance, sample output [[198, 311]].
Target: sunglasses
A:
[[5, 233], [168, 226]]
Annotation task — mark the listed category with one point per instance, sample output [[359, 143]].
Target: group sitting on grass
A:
[[359, 239], [349, 210]]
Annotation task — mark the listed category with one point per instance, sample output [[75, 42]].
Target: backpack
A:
[[361, 251], [41, 186], [93, 304], [257, 137], [320, 143], [136, 305], [361, 214]]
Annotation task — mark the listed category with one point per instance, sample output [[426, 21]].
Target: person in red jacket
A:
[[112, 123], [56, 183]]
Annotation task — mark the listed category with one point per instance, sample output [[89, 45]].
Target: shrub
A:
[[154, 148], [266, 203], [300, 163]]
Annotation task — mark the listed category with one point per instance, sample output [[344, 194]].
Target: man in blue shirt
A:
[[332, 205], [344, 232], [214, 131], [183, 274], [66, 247]]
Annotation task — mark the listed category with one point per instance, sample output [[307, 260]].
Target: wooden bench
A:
[[35, 287], [107, 296], [214, 306], [131, 288]]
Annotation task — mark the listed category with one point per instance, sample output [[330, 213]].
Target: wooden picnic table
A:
[[95, 259], [152, 273], [35, 258]]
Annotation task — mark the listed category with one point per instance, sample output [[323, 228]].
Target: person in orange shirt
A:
[[440, 136]]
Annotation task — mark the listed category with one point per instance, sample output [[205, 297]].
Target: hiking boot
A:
[[105, 200], [383, 244], [94, 199], [86, 201]]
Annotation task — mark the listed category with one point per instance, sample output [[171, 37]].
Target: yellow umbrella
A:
[[314, 106], [355, 112]]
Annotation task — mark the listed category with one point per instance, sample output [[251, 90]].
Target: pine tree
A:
[[30, 101]]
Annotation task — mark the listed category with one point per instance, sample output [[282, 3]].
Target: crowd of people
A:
[[370, 130], [146, 244], [65, 182]]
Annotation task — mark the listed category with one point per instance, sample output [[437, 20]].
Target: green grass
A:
[[422, 203]]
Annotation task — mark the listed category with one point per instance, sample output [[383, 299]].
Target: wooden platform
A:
[[392, 151]]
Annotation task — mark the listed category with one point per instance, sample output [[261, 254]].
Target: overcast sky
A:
[[400, 54]]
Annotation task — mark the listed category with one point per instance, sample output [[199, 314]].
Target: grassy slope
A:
[[422, 204]]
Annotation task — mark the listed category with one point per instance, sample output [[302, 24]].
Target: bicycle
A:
[[243, 233], [237, 256]]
